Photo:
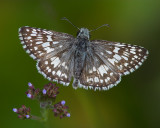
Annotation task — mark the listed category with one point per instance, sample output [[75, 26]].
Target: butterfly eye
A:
[[82, 32]]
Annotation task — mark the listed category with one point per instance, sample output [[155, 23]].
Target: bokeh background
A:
[[134, 103]]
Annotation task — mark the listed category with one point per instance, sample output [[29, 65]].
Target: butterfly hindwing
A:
[[96, 74], [54, 70]]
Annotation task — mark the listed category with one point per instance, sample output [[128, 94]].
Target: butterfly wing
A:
[[126, 58], [106, 61], [50, 49], [39, 42]]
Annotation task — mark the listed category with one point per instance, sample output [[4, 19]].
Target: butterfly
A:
[[94, 64]]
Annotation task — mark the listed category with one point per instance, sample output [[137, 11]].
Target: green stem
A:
[[44, 114]]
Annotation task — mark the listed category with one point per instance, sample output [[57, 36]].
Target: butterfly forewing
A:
[[39, 42], [51, 49], [125, 58]]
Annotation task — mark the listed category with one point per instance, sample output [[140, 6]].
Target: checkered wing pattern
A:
[[107, 61], [50, 49]]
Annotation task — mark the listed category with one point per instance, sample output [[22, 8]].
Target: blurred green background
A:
[[134, 103]]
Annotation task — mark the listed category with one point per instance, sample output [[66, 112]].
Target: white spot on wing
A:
[[46, 44], [22, 42], [106, 80], [125, 57], [49, 38], [102, 53], [20, 34], [28, 51], [133, 49], [59, 73], [21, 38], [49, 70], [106, 67], [117, 57], [49, 78], [116, 49], [140, 50], [53, 58], [63, 64], [33, 56], [94, 68], [90, 71], [125, 73], [65, 76], [34, 32], [96, 79], [109, 52], [119, 44], [66, 67], [46, 62], [126, 64], [135, 56], [131, 70], [101, 80], [35, 48], [136, 66], [33, 35], [39, 42], [111, 74], [55, 42], [53, 72], [126, 53], [55, 62], [132, 52], [48, 50], [139, 63], [27, 30], [102, 70], [24, 46], [112, 60], [29, 37]]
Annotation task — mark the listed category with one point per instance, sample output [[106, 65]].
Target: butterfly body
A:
[[94, 64], [80, 54]]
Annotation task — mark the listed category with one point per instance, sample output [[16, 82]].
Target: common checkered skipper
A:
[[97, 64]]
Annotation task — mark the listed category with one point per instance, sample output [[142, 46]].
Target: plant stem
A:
[[44, 114]]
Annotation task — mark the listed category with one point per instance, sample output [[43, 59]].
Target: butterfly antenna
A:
[[100, 27], [64, 18]]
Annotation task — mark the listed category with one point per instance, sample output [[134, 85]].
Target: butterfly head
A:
[[83, 33]]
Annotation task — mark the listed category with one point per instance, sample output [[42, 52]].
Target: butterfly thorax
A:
[[80, 54]]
